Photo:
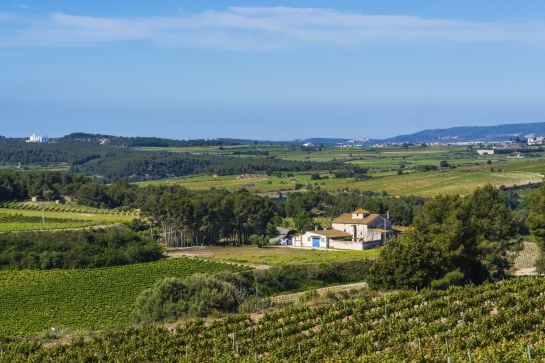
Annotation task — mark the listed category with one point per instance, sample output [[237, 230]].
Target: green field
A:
[[16, 216], [467, 170], [77, 216], [33, 301], [276, 255], [454, 181], [375, 158], [36, 167], [15, 222], [494, 322]]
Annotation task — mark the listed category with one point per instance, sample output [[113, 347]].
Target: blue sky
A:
[[268, 69]]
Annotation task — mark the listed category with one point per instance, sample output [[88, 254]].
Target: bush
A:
[[452, 278], [259, 241], [199, 295]]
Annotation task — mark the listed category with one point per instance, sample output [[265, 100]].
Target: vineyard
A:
[[527, 258], [501, 322], [34, 301], [73, 214], [19, 222], [68, 208]]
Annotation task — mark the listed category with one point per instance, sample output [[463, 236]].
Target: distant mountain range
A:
[[497, 133], [474, 133]]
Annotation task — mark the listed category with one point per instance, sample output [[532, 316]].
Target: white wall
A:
[[345, 245], [362, 231], [306, 240]]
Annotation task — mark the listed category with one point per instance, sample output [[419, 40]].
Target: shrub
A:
[[199, 295], [452, 278]]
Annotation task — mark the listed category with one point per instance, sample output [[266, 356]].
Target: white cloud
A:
[[23, 6], [264, 28]]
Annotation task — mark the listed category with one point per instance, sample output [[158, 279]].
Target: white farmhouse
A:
[[485, 152], [358, 230]]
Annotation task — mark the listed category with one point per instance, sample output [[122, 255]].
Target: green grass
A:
[[49, 226], [36, 167], [279, 255], [447, 182], [16, 222], [33, 301]]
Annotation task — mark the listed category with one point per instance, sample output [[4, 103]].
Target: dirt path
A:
[[181, 253], [321, 291]]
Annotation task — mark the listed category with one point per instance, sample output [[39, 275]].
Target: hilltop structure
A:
[[34, 138]]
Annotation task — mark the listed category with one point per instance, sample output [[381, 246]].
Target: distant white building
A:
[[535, 140], [485, 152], [37, 138]]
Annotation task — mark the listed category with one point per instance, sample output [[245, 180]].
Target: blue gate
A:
[[316, 242]]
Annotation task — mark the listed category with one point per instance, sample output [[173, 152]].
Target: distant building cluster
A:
[[37, 138], [536, 140]]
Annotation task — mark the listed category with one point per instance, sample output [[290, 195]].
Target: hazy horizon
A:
[[265, 70]]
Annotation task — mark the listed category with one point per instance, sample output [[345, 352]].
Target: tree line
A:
[[215, 217], [302, 206], [118, 160], [76, 249], [455, 240], [137, 166], [44, 185]]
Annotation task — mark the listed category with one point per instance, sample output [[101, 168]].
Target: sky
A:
[[268, 69]]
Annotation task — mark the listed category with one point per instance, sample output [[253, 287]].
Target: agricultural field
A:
[[377, 159], [35, 167], [33, 301], [411, 326], [466, 171], [16, 222], [70, 208], [525, 263], [452, 181], [52, 211], [275, 255]]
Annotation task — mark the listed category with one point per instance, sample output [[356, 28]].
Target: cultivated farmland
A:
[[494, 322], [34, 301]]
